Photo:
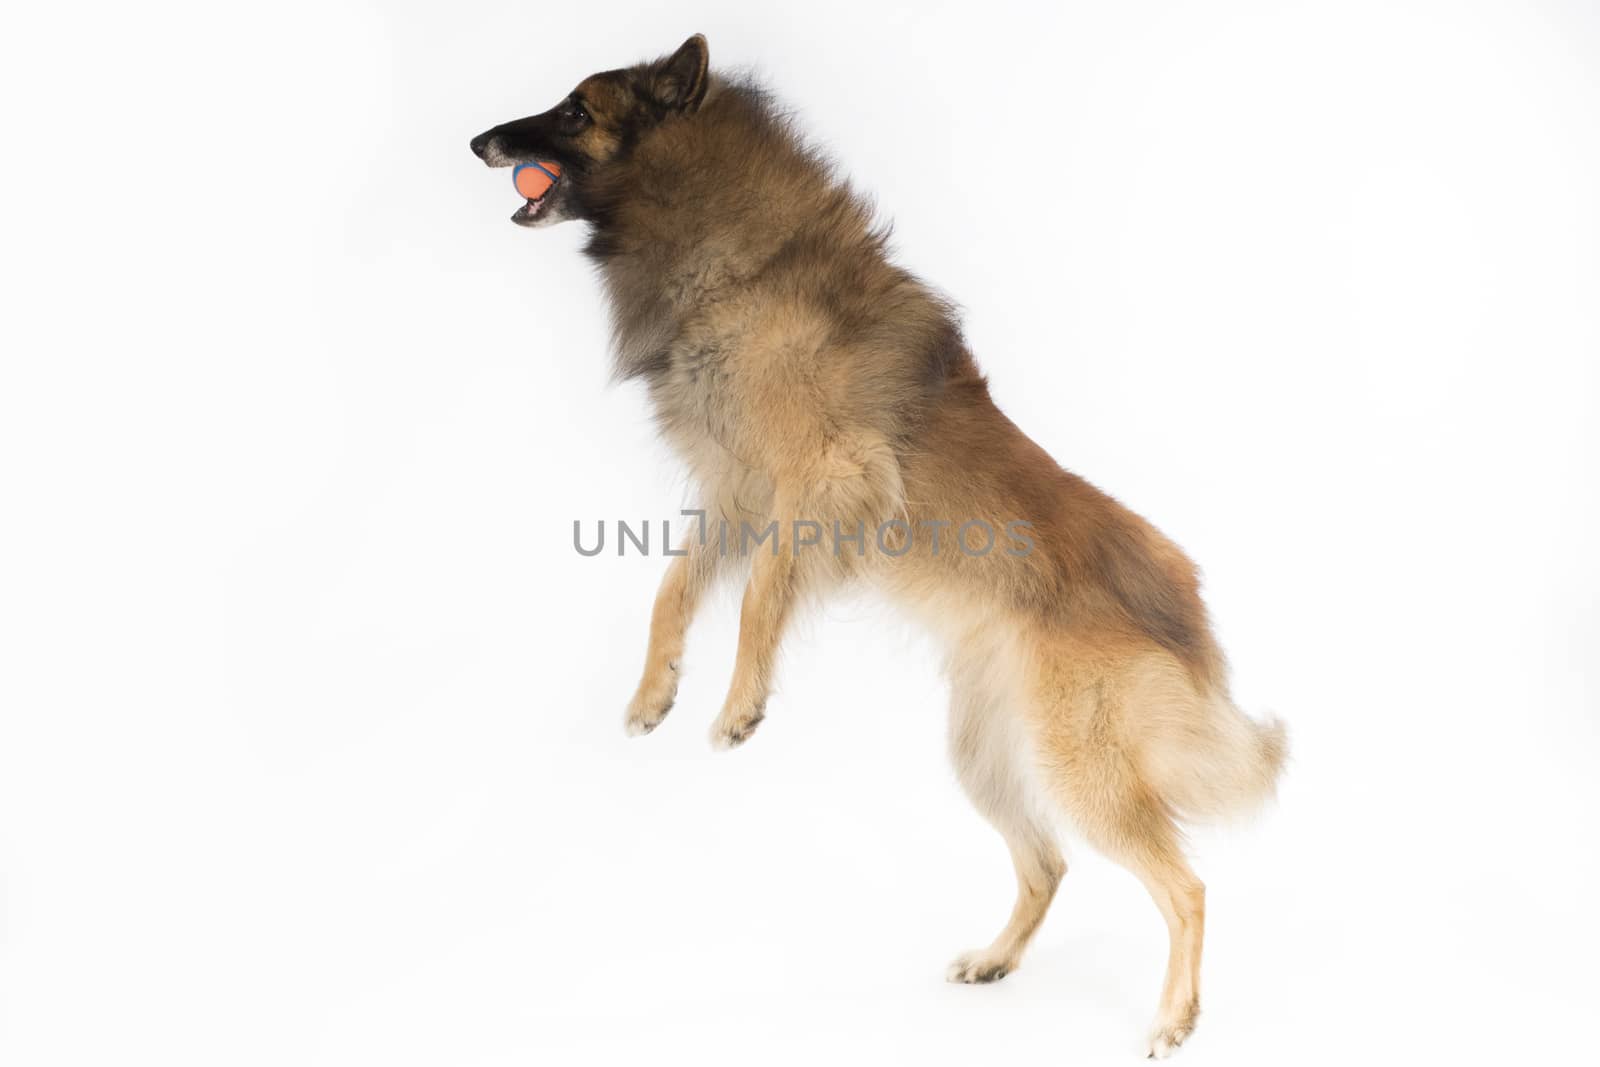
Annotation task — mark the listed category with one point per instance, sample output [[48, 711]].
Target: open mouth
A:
[[536, 182]]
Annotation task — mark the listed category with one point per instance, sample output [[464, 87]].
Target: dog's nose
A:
[[480, 144]]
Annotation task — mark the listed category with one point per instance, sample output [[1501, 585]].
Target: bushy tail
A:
[[1211, 762]]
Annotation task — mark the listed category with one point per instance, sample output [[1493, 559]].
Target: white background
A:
[[312, 747]]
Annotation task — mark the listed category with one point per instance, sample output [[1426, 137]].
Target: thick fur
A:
[[802, 375]]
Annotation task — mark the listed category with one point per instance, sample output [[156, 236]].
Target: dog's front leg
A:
[[767, 601], [850, 484], [681, 589]]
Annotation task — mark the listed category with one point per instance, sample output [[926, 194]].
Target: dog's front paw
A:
[[652, 702], [975, 968], [736, 723]]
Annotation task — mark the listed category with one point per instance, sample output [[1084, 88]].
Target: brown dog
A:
[[824, 399]]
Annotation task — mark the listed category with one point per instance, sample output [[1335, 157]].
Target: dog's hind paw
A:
[[975, 968], [1166, 1040]]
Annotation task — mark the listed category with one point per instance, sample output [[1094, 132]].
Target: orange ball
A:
[[533, 180]]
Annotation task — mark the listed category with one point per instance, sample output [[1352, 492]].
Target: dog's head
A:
[[595, 127]]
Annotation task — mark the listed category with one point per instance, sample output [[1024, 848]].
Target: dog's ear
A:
[[680, 80]]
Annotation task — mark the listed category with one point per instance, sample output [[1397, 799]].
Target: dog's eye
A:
[[574, 116]]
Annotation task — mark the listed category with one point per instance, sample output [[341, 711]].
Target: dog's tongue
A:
[[533, 181]]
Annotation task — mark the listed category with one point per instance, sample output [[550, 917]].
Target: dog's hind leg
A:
[[993, 760], [1153, 854], [1091, 769]]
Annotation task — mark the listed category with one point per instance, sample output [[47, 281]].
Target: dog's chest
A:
[[697, 347], [695, 396]]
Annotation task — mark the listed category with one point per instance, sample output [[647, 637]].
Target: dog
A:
[[812, 386]]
